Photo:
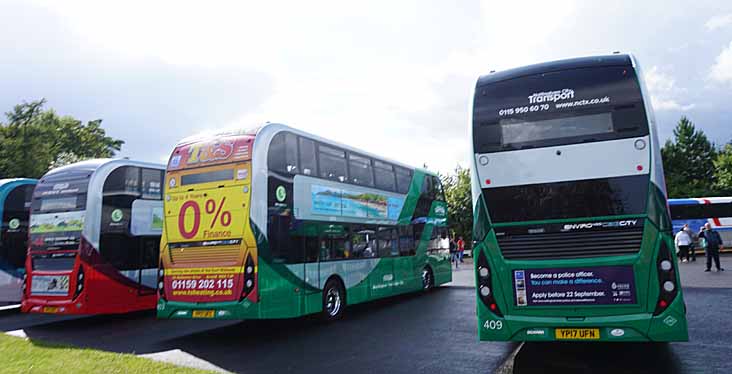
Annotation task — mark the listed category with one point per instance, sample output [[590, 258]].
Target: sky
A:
[[392, 78]]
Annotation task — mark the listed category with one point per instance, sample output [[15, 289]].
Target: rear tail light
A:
[[161, 280], [666, 279], [249, 277], [79, 281], [485, 286]]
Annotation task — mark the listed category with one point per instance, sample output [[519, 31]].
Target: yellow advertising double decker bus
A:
[[279, 223]]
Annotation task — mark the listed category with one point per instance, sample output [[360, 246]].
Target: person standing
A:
[[683, 241], [714, 245], [694, 239], [453, 252], [461, 248]]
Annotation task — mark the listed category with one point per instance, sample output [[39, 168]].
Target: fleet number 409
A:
[[493, 325]]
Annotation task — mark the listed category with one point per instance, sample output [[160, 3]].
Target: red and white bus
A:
[[94, 240]]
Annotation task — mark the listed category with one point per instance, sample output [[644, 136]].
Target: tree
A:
[[723, 171], [459, 203], [34, 140], [688, 162]]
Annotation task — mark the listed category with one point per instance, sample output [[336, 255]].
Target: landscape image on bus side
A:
[[279, 223], [717, 211], [571, 221], [15, 198], [94, 241]]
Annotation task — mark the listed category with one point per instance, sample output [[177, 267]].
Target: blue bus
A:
[[15, 199], [717, 211]]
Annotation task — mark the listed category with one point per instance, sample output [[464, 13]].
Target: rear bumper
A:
[[642, 327], [84, 306], [221, 310]]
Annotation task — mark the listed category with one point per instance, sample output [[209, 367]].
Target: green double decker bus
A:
[[571, 218], [279, 223]]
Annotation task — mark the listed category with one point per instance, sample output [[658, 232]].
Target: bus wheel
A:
[[333, 300], [428, 281]]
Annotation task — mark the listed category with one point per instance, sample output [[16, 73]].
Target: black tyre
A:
[[334, 300]]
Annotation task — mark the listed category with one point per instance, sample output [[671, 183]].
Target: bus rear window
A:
[[519, 131], [63, 262], [58, 204], [207, 177]]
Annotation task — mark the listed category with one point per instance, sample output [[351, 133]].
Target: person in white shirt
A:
[[683, 242]]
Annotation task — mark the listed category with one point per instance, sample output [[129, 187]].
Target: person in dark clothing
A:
[[713, 246]]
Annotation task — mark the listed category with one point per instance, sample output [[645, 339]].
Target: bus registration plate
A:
[[202, 314], [577, 334], [50, 309]]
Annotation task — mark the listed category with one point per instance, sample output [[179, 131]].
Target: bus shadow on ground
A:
[[613, 358], [417, 332], [409, 333]]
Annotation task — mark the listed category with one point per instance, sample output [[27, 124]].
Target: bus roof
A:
[[267, 132], [4, 183], [274, 128], [558, 65], [94, 164]]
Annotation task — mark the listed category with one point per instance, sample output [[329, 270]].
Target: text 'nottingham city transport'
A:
[[571, 222]]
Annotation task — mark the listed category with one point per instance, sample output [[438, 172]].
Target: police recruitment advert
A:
[[597, 285]]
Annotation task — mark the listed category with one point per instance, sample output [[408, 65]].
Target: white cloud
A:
[[718, 21], [669, 104], [722, 69], [393, 78], [664, 91]]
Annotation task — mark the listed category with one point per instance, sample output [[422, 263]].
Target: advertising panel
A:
[[332, 201], [596, 285], [59, 230]]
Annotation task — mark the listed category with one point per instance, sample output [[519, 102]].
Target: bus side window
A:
[[439, 193], [385, 178], [403, 179], [285, 244], [311, 248], [152, 184], [406, 241], [418, 230], [360, 170], [332, 163], [308, 161], [150, 252], [282, 155], [388, 245], [363, 242]]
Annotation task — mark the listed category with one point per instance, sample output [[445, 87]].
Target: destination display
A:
[[597, 285]]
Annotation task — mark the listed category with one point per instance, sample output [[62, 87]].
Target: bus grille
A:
[[571, 244], [205, 255]]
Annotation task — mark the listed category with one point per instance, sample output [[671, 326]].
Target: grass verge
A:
[[19, 355]]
